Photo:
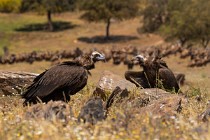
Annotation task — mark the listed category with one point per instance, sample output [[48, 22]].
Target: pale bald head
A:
[[139, 59], [96, 56]]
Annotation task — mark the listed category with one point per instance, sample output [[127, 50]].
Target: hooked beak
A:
[[96, 56], [139, 59], [101, 57]]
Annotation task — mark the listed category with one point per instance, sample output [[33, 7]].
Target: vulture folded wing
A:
[[168, 79], [57, 77]]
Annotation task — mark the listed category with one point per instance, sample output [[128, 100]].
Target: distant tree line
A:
[[10, 5], [185, 20], [106, 10]]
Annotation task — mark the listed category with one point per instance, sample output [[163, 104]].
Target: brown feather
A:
[[60, 81]]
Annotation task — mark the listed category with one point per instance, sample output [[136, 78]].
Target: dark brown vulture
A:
[[155, 74], [61, 81]]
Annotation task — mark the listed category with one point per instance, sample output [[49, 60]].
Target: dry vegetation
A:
[[123, 122]]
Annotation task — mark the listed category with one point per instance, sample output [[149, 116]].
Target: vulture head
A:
[[139, 59], [88, 61], [152, 61], [96, 56]]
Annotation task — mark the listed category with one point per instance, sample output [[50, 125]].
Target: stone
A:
[[52, 110], [205, 115], [152, 101], [12, 83], [93, 111], [109, 81]]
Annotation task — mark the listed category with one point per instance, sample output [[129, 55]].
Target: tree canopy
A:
[[10, 5], [186, 20], [48, 7], [105, 10]]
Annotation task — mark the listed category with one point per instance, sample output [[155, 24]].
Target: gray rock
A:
[[12, 83], [152, 101], [204, 116], [109, 81], [52, 110], [93, 111]]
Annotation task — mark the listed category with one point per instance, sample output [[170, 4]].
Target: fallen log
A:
[[12, 83]]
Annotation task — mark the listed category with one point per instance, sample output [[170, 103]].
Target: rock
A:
[[93, 111], [50, 111], [109, 81], [152, 101], [206, 114], [169, 105], [117, 94], [12, 83], [160, 102], [148, 100]]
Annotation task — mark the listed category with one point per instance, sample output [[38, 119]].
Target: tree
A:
[[8, 6], [186, 20], [155, 14], [180, 23], [190, 22], [48, 7], [105, 10], [202, 22]]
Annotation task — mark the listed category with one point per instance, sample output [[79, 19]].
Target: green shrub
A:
[[8, 6]]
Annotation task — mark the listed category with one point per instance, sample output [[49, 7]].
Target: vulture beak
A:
[[96, 56], [139, 59]]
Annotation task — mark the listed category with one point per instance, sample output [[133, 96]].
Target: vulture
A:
[[155, 73], [62, 80]]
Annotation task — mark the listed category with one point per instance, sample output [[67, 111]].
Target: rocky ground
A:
[[114, 109]]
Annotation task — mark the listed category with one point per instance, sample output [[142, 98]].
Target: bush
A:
[[8, 6]]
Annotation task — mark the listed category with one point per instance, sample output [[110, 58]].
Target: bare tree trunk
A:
[[183, 40], [205, 42], [50, 25], [108, 28]]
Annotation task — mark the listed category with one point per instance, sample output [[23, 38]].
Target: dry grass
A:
[[122, 123]]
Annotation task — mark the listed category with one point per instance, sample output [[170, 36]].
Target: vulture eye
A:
[[138, 59], [96, 56]]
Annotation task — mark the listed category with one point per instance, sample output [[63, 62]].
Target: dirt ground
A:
[[119, 124], [21, 42]]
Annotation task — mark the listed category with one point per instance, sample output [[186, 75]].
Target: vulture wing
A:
[[168, 79], [56, 78]]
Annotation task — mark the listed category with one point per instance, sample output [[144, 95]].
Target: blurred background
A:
[[35, 34]]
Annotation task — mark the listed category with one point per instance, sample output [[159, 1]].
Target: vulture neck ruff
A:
[[85, 61]]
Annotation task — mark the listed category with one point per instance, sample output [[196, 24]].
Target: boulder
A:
[[109, 81], [93, 111], [205, 115], [152, 101], [12, 83], [169, 104], [52, 110]]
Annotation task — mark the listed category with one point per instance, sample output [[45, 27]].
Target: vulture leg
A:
[[138, 78], [57, 96]]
